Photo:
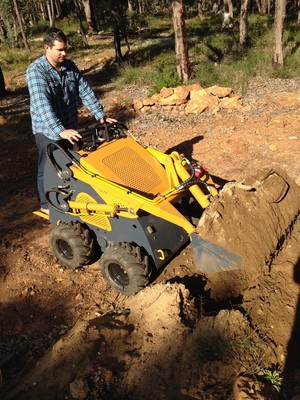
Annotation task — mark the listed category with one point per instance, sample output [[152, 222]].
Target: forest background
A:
[[221, 42]]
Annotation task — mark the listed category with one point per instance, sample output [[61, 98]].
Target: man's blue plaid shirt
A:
[[54, 97]]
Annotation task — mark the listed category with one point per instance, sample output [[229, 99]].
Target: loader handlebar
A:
[[95, 134]]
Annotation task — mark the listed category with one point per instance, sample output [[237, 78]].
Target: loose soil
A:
[[65, 334]]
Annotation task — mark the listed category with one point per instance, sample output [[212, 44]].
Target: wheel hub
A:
[[64, 249], [118, 274]]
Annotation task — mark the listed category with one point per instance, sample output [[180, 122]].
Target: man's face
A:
[[57, 53]]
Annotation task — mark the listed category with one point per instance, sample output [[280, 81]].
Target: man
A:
[[55, 85]]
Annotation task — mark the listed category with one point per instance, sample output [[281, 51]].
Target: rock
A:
[[199, 101], [149, 102], [79, 389], [194, 86], [179, 96], [230, 103], [191, 99], [137, 105], [155, 97], [198, 94], [219, 91], [213, 103], [194, 107], [166, 92]]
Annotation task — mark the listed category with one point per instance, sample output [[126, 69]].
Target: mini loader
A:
[[135, 206]]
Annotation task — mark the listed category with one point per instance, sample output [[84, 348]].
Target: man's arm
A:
[[89, 98], [41, 102]]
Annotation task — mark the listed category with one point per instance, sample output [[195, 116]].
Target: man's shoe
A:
[[45, 210]]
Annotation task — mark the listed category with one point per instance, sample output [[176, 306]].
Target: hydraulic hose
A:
[[62, 191], [62, 174]]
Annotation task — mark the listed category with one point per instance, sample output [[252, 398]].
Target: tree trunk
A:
[[117, 37], [200, 9], [244, 23], [88, 16], [228, 7], [50, 15], [130, 6], [2, 84], [82, 31], [181, 48], [58, 9], [140, 6], [280, 8], [43, 11], [298, 20], [53, 11], [264, 7], [258, 3], [21, 26]]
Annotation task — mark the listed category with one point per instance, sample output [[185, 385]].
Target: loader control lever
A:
[[94, 135]]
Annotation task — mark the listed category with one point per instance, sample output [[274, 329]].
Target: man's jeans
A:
[[41, 143]]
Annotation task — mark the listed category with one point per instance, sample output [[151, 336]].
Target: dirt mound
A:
[[148, 341], [252, 219]]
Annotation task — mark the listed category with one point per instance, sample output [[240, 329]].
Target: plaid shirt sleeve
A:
[[89, 99], [41, 104]]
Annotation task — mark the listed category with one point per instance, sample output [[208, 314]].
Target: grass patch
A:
[[155, 74], [216, 57], [13, 61], [247, 351]]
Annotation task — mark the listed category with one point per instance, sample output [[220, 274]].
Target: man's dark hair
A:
[[53, 34]]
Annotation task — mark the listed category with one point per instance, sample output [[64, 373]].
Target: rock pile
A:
[[191, 99]]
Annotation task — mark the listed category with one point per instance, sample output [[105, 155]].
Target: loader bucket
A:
[[209, 257], [252, 218]]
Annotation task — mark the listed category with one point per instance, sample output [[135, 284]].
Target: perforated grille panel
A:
[[101, 221], [133, 170]]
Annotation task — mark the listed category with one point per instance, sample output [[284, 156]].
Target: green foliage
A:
[[165, 74], [246, 350], [215, 55], [156, 74], [11, 59], [156, 22], [274, 378], [38, 28], [212, 348]]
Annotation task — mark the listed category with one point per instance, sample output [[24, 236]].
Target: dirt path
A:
[[66, 334]]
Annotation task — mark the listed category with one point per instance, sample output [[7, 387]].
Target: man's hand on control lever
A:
[[105, 119], [71, 135]]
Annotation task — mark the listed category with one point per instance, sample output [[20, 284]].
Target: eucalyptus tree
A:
[[21, 25], [13, 21], [280, 12], [244, 22], [181, 46]]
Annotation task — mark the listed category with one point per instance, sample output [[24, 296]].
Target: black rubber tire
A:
[[71, 245], [124, 268]]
